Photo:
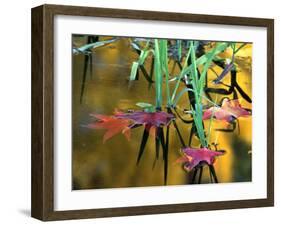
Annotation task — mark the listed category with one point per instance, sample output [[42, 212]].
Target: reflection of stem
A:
[[213, 172], [87, 57], [181, 118], [88, 60], [166, 156], [167, 137], [194, 176], [233, 84], [200, 168], [210, 174], [200, 175], [179, 134], [240, 47], [169, 110], [147, 77]]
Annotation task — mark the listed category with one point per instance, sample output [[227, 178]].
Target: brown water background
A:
[[113, 164]]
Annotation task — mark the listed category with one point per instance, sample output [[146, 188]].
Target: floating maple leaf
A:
[[112, 124], [194, 156], [229, 111], [149, 119]]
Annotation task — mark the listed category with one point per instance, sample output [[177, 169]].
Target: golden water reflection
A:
[[113, 164]]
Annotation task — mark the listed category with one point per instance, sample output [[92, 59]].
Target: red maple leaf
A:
[[150, 119], [194, 156], [229, 110], [112, 125]]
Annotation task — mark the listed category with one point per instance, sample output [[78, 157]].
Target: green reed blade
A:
[[210, 57], [197, 113], [183, 91], [158, 74], [194, 73], [203, 59], [211, 121], [144, 54], [163, 45], [134, 70], [181, 75], [199, 127], [94, 45]]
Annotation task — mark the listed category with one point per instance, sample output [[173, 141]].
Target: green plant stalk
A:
[[194, 73], [143, 55], [163, 46], [198, 87], [199, 127], [177, 98], [211, 121], [197, 113], [203, 59], [206, 67], [183, 91], [134, 70], [158, 74], [180, 76], [94, 45]]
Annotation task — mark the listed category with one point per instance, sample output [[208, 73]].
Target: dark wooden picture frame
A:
[[43, 107]]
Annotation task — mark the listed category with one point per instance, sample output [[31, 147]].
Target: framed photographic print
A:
[[141, 112]]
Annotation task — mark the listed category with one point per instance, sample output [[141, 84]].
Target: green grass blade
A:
[[203, 59], [180, 76], [197, 113], [158, 74], [177, 98], [163, 44], [207, 65], [134, 70], [194, 74], [144, 54], [95, 45], [210, 123]]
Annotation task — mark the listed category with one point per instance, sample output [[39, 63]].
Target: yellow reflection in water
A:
[[113, 164]]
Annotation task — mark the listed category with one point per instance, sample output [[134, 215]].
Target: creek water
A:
[[113, 164]]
